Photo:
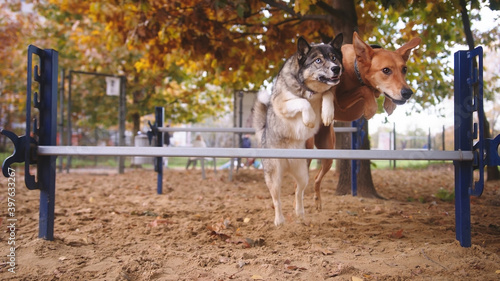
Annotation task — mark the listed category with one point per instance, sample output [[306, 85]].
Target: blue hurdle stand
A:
[[356, 142], [467, 77], [159, 120], [43, 133]]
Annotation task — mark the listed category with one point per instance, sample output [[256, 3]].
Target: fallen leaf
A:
[[354, 278], [293, 267], [497, 272], [397, 234], [333, 273], [326, 252], [257, 277], [158, 222], [222, 236], [246, 220]]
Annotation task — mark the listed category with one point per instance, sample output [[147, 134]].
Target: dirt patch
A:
[[115, 227]]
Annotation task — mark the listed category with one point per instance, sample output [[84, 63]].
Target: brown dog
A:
[[368, 73]]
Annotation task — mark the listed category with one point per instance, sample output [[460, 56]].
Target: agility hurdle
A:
[[38, 145], [156, 130]]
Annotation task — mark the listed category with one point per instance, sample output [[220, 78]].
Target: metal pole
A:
[[46, 168], [463, 141], [220, 152], [121, 118], [61, 112], [240, 124], [443, 136], [159, 119], [70, 134], [395, 143], [429, 140], [354, 162]]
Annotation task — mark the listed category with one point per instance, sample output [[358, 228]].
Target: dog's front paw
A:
[[309, 118], [327, 109], [327, 115]]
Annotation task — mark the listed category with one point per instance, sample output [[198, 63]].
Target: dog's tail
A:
[[259, 113]]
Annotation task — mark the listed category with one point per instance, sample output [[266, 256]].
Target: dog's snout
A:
[[336, 70], [406, 93]]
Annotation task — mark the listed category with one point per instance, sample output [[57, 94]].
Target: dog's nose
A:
[[406, 93], [336, 70]]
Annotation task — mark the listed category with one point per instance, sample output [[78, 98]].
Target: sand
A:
[[115, 227]]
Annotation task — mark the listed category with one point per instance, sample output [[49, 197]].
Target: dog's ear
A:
[[364, 52], [303, 47], [405, 50], [337, 41], [389, 105]]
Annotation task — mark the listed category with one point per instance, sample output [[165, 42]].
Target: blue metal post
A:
[[46, 165], [464, 108], [354, 163], [159, 120]]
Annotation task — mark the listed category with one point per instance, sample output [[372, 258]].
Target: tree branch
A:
[[281, 6], [330, 10]]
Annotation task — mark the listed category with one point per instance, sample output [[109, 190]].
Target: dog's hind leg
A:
[[324, 139], [300, 172], [273, 174]]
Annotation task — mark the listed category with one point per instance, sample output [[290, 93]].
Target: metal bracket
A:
[[476, 80], [19, 154], [25, 147], [491, 147], [153, 132]]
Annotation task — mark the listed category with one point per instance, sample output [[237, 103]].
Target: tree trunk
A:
[[343, 167], [366, 188], [136, 121], [347, 25]]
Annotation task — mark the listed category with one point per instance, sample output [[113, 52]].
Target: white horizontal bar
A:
[[255, 153], [235, 130]]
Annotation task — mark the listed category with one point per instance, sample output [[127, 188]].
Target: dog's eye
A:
[[318, 60], [386, 70], [405, 69], [334, 58]]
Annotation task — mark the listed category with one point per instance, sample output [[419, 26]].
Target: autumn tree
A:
[[14, 29]]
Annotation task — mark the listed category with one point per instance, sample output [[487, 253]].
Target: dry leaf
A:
[[222, 236], [293, 267], [257, 277], [354, 278], [317, 248], [158, 222], [397, 234]]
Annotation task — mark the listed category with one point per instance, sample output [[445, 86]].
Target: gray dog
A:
[[301, 98]]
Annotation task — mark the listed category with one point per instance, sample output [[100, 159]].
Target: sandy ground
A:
[[114, 227]]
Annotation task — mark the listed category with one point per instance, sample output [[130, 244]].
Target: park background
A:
[[193, 58]]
